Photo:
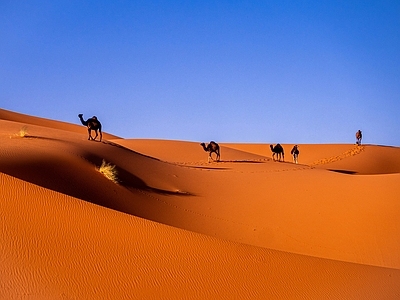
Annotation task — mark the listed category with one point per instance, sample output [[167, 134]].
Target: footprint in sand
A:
[[353, 151]]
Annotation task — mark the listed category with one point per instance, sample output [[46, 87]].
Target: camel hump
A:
[[214, 145]]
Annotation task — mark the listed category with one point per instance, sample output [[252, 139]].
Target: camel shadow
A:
[[343, 171], [205, 168], [244, 161]]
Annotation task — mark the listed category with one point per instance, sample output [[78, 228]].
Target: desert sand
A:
[[177, 227]]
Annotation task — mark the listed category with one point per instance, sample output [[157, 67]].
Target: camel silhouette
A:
[[278, 150], [91, 124], [295, 152], [210, 148], [358, 137]]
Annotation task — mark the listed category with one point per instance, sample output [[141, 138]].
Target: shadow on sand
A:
[[343, 171]]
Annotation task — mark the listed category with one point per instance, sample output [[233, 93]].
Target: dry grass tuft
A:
[[23, 132], [109, 171]]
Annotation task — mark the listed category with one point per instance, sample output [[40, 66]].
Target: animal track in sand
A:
[[352, 152]]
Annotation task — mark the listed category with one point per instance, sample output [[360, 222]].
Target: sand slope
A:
[[23, 120], [298, 208], [178, 227]]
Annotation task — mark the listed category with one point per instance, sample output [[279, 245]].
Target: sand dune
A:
[[305, 209], [176, 226], [355, 160], [50, 124]]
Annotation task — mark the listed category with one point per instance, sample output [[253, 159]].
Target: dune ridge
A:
[[176, 226], [43, 122]]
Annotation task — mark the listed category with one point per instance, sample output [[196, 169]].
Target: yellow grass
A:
[[23, 132], [109, 171]]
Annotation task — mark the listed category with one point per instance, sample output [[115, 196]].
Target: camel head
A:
[[204, 146], [84, 123]]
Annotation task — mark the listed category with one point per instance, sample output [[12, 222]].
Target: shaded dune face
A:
[[69, 167], [254, 226]]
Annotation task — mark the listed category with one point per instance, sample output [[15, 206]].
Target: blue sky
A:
[[230, 71]]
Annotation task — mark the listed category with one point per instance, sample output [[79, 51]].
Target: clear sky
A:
[[229, 71]]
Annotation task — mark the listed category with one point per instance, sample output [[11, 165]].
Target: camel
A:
[[278, 150], [211, 147], [92, 124], [358, 137], [295, 152]]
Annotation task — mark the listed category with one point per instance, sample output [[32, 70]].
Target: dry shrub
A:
[[23, 132], [109, 171]]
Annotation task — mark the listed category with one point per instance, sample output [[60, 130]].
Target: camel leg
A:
[[95, 137], [216, 156], [90, 134]]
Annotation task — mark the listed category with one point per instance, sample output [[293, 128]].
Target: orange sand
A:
[[177, 227]]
